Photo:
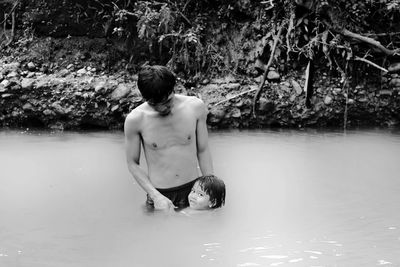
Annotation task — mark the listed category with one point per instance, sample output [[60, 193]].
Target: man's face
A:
[[163, 107], [198, 199]]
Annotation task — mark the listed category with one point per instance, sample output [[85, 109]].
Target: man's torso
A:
[[169, 144]]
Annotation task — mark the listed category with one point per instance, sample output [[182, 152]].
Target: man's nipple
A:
[[154, 145]]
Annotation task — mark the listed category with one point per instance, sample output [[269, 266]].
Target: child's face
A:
[[198, 199]]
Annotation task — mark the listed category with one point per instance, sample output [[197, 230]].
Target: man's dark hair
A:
[[156, 83], [215, 188]]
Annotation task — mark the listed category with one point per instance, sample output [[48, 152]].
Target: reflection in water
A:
[[294, 198]]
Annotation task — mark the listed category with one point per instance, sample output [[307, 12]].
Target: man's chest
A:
[[160, 134]]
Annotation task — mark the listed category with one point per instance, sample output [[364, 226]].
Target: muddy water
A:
[[294, 198]]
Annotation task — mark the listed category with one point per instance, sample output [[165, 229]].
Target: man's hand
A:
[[163, 203]]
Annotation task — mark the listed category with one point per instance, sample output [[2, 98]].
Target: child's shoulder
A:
[[192, 212]]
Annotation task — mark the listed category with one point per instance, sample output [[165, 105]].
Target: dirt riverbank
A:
[[74, 88]]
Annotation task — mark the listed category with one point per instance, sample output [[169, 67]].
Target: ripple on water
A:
[[274, 257], [296, 260], [276, 263], [313, 252], [383, 262], [211, 251], [263, 237], [212, 244], [248, 264], [254, 249]]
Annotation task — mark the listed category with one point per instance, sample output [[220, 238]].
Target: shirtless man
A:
[[172, 130]]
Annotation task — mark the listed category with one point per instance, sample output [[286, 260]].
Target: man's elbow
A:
[[202, 149], [132, 165]]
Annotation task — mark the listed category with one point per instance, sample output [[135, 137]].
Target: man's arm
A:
[[132, 149], [203, 151]]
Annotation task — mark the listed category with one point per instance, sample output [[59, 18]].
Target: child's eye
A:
[[201, 194]]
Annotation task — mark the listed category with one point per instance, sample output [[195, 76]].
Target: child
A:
[[208, 192]]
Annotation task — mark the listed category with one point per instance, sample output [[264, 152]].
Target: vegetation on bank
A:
[[335, 51]]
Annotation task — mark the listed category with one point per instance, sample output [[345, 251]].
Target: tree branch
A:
[[12, 23], [186, 4], [11, 11], [129, 13], [345, 86], [342, 73], [271, 58], [271, 4], [182, 15], [288, 32], [382, 34], [370, 41], [242, 93], [172, 4], [370, 63]]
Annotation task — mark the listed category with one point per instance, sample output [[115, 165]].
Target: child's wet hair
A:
[[215, 188]]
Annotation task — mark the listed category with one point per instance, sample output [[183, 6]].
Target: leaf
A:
[[393, 5], [349, 55], [142, 31], [277, 53], [299, 21]]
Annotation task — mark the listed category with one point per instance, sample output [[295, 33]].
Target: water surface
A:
[[294, 198]]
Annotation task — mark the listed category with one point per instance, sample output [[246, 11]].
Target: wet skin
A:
[[198, 199], [173, 134]]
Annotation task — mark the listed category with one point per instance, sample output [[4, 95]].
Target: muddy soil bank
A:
[[75, 89]]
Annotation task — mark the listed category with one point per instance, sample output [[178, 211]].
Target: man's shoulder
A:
[[191, 100], [193, 105], [136, 114]]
